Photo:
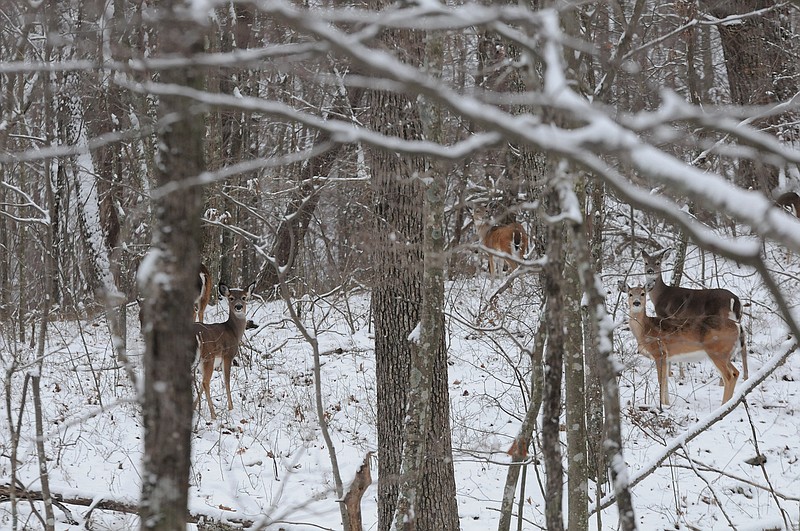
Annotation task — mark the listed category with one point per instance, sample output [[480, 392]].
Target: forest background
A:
[[333, 152]]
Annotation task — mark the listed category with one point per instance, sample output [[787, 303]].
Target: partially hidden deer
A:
[[509, 242], [203, 293], [671, 339], [686, 303], [789, 201], [219, 342]]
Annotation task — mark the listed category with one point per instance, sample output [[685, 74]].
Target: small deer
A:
[[220, 341], [203, 293], [505, 241], [790, 202], [670, 339], [685, 303]]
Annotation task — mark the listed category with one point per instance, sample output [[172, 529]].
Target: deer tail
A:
[[517, 240]]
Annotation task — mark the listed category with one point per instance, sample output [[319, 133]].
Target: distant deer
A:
[[685, 303], [790, 202], [220, 341], [668, 340], [203, 293], [508, 241]]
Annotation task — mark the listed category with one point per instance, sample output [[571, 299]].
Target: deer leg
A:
[[743, 348], [226, 372], [491, 265], [728, 373], [730, 383], [208, 370], [662, 368]]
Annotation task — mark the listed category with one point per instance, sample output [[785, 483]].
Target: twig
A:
[[785, 517], [710, 487]]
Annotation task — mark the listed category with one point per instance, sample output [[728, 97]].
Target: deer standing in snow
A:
[[671, 339], [509, 242], [219, 342], [685, 303]]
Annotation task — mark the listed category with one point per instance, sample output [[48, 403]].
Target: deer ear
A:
[[622, 285], [250, 288], [223, 289]]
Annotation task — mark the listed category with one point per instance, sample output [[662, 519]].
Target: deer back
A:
[[679, 302], [790, 202], [685, 339], [509, 239]]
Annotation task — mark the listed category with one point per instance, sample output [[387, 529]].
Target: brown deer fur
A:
[[672, 339], [685, 303], [203, 293], [790, 202], [220, 341], [510, 240]]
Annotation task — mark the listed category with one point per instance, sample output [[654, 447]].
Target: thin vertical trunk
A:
[[606, 371], [577, 471], [554, 354]]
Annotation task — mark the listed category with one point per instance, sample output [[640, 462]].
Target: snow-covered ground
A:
[[267, 456]]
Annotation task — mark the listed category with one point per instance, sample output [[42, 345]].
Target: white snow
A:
[[267, 458]]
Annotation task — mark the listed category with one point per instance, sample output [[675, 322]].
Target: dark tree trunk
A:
[[554, 356], [761, 71], [397, 294], [170, 343]]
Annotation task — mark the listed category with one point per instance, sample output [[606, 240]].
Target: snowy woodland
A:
[[346, 171]]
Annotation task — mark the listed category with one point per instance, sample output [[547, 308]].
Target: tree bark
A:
[[761, 71], [396, 296], [174, 255], [554, 354], [577, 471]]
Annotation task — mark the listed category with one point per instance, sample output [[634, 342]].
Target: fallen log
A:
[[106, 504]]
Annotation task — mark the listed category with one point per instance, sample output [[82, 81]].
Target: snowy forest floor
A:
[[267, 456]]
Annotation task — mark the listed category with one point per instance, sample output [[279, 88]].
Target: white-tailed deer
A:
[[502, 241], [685, 303], [790, 202], [220, 341], [668, 340], [203, 293]]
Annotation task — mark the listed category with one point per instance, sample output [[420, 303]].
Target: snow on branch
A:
[[28, 202]]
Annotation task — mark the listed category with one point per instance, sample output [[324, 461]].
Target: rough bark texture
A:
[[427, 494], [397, 294], [761, 71], [170, 343], [551, 405], [577, 473]]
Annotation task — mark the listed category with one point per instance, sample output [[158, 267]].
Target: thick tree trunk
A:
[[397, 294], [761, 71], [169, 339]]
